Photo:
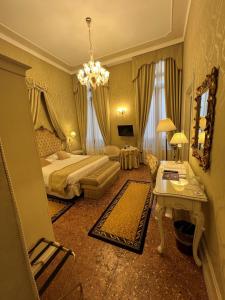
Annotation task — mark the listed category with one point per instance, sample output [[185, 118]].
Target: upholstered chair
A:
[[153, 164], [113, 152]]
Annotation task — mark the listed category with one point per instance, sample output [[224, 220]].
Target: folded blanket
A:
[[58, 178]]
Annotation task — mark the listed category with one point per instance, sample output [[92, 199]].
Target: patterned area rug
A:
[[57, 207], [124, 222]]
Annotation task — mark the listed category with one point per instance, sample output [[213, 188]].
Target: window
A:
[[154, 142], [94, 140]]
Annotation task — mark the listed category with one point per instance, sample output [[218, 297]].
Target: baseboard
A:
[[209, 274]]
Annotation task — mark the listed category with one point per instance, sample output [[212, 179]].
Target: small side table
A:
[[77, 152], [129, 158]]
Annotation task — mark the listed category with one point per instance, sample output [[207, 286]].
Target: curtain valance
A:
[[35, 91], [175, 52]]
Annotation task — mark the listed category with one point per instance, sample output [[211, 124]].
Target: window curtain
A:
[[101, 107], [94, 141], [174, 51], [155, 142], [173, 90], [80, 92], [144, 84], [35, 92]]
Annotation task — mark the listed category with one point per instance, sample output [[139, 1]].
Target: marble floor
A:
[[108, 272]]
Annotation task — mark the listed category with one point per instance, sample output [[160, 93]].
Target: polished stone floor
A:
[[108, 272]]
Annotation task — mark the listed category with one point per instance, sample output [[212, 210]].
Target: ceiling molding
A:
[[20, 42], [118, 57], [128, 57]]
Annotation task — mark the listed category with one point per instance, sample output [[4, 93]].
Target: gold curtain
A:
[[53, 117], [35, 98], [35, 92], [173, 91], [144, 84], [174, 51], [101, 105], [80, 92]]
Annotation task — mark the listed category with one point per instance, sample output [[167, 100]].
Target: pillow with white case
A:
[[52, 157]]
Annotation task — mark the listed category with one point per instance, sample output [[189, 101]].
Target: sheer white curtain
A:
[[154, 142], [94, 141]]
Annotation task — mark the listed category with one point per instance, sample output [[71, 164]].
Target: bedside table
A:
[[77, 152], [129, 158]]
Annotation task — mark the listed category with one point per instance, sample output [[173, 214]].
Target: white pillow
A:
[[52, 157]]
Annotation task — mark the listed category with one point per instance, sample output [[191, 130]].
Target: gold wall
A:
[[204, 47], [59, 86], [122, 95]]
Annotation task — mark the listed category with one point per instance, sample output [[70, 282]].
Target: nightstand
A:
[[129, 158]]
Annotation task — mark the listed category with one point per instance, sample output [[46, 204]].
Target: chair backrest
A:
[[111, 150], [153, 163]]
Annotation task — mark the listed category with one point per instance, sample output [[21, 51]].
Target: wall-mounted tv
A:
[[125, 130]]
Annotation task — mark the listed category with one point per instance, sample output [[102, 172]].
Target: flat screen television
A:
[[125, 130]]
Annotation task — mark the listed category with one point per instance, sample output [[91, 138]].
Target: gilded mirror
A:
[[204, 119]]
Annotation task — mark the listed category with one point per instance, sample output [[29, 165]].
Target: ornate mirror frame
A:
[[210, 84]]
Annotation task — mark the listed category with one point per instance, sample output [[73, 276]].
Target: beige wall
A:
[[14, 285], [204, 48], [17, 135], [121, 95], [59, 86]]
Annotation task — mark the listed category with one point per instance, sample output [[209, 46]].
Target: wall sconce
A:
[[121, 110], [73, 134], [71, 137]]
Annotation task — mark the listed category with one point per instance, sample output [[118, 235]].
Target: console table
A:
[[184, 194]]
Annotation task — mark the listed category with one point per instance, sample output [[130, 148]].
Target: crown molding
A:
[[126, 55], [20, 42], [119, 59], [122, 56]]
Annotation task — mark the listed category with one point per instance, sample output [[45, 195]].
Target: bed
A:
[[62, 177]]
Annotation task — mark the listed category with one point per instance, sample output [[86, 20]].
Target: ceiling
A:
[[56, 30]]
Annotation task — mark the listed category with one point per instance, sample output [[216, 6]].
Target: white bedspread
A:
[[73, 178]]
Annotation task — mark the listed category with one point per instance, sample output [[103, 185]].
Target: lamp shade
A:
[[165, 125], [179, 138]]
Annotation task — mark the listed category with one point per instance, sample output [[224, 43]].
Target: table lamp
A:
[[179, 139], [165, 125]]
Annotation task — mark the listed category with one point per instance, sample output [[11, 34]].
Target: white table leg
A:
[[159, 212], [199, 217]]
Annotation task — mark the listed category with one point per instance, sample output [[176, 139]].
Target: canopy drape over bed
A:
[[37, 94]]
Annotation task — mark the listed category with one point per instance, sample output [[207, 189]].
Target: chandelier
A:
[[92, 73]]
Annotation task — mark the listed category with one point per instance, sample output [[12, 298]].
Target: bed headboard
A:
[[47, 142]]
